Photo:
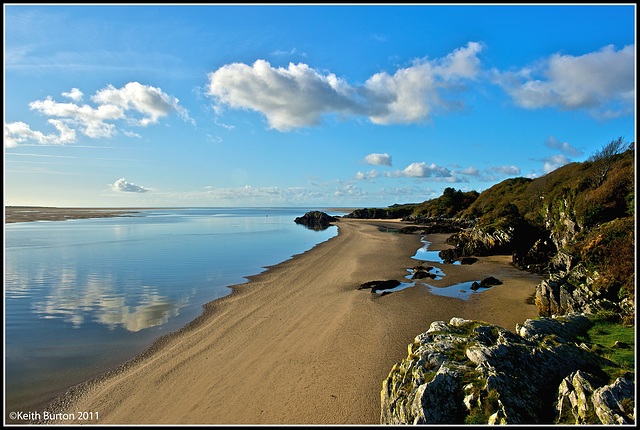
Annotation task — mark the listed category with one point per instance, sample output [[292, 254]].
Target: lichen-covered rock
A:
[[609, 402], [472, 372], [573, 396]]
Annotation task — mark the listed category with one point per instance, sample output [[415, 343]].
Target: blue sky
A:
[[306, 105]]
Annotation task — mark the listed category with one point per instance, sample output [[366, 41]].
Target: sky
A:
[[308, 105]]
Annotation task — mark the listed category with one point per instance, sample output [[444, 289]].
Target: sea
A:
[[85, 296]]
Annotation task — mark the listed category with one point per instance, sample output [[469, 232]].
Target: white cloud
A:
[[299, 96], [553, 162], [290, 98], [128, 187], [602, 82], [96, 122], [412, 94], [469, 171], [563, 147], [90, 121], [421, 170], [504, 170], [148, 100], [75, 95], [371, 174], [378, 159], [18, 132]]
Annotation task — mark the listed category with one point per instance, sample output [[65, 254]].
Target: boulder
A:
[[376, 286], [316, 220]]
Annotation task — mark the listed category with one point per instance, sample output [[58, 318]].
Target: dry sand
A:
[[299, 343]]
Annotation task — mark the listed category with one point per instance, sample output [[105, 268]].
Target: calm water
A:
[[458, 291], [82, 296]]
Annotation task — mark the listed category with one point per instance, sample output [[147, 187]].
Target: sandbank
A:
[[299, 343], [41, 213]]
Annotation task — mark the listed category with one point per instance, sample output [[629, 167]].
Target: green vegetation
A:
[[613, 340], [450, 204]]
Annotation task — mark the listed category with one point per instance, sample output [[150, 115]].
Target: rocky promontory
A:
[[476, 373]]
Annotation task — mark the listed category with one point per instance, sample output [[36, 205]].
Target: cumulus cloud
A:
[[290, 98], [134, 99], [378, 159], [299, 96], [18, 132], [421, 170], [122, 185], [75, 95], [602, 82], [563, 147], [371, 174], [553, 162], [147, 100]]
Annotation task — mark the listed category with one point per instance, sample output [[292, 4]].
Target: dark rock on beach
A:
[[316, 220], [486, 283], [376, 286]]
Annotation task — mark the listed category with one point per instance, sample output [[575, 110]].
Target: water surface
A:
[[82, 296]]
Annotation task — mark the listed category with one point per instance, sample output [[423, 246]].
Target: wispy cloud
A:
[[293, 51], [504, 170], [602, 82], [137, 104], [299, 96], [563, 147]]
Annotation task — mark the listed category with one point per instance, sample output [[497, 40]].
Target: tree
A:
[[603, 160]]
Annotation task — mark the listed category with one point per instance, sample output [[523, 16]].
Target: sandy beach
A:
[[299, 343]]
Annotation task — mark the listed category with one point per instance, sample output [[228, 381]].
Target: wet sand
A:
[[299, 343]]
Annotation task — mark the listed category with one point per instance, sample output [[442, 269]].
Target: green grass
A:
[[603, 336]]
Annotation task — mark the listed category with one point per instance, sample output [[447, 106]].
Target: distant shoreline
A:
[[15, 214]]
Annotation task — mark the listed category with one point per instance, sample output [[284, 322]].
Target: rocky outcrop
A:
[[578, 402], [537, 257], [477, 373], [316, 220], [559, 223], [476, 243], [569, 290]]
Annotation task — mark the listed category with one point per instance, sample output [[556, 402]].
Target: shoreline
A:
[[14, 214], [298, 343]]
